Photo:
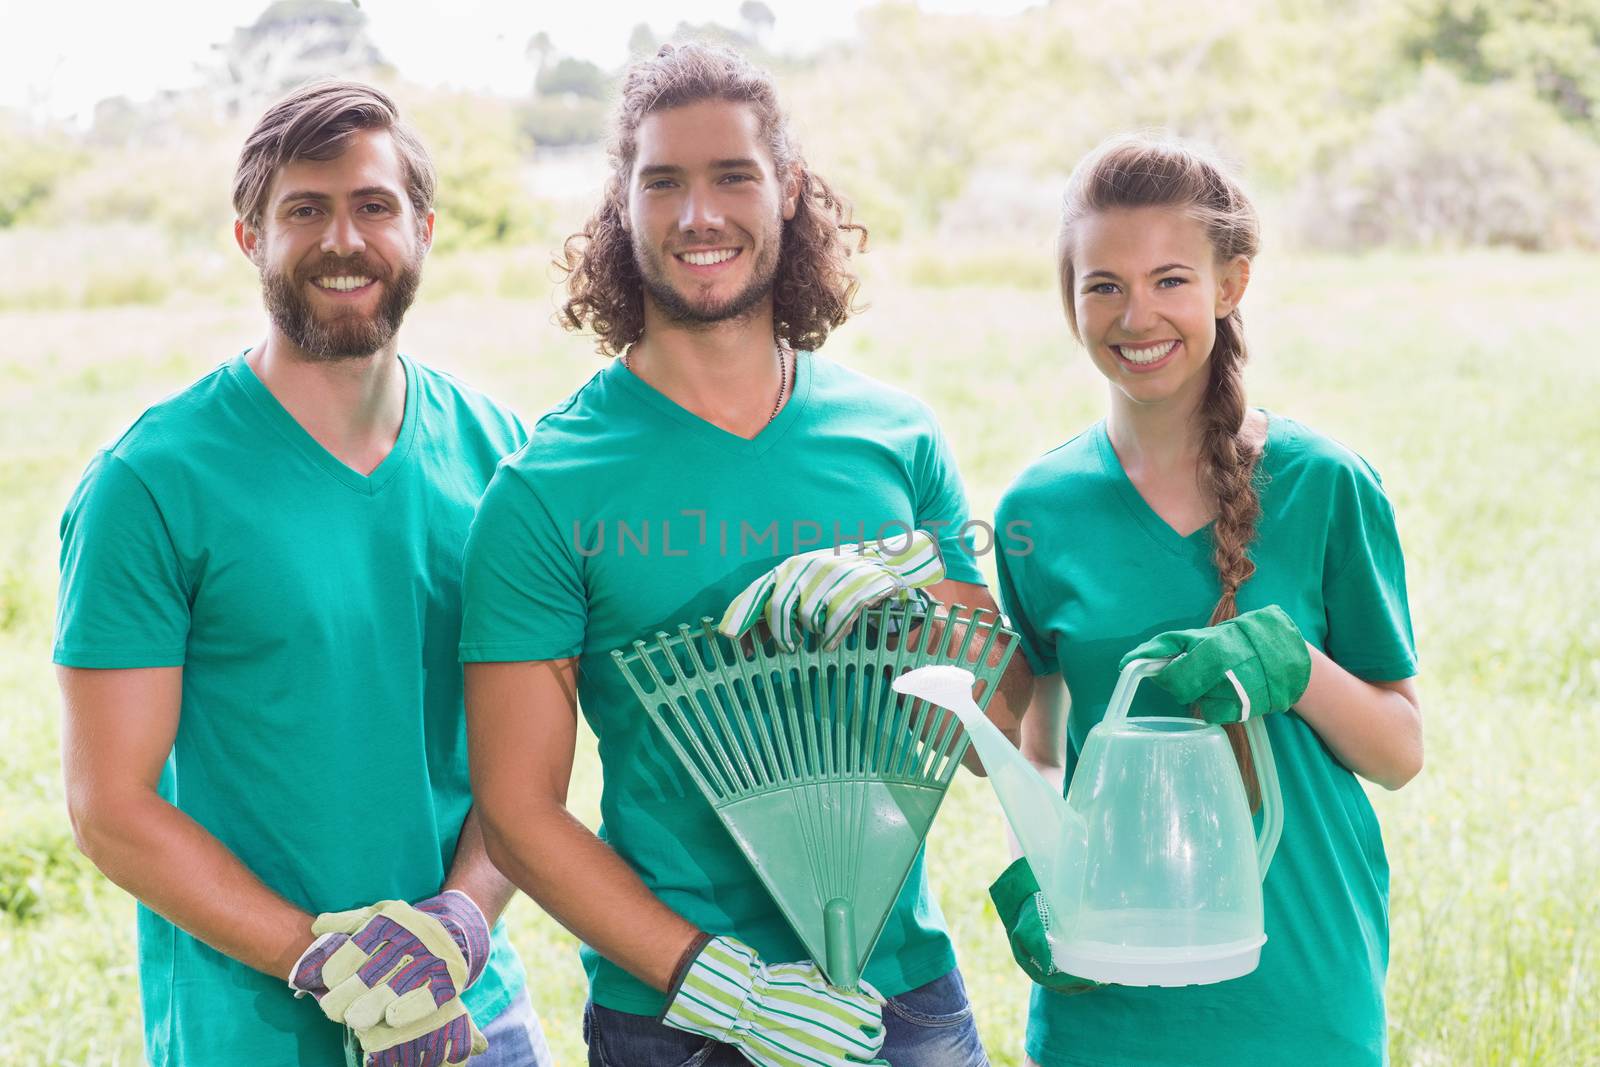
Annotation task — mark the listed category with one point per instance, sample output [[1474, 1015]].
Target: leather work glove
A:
[[778, 1015], [827, 590], [393, 973], [1026, 916], [1253, 664]]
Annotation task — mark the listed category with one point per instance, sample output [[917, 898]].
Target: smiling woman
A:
[[1151, 329], [1198, 523]]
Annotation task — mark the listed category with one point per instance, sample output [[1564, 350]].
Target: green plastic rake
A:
[[826, 777]]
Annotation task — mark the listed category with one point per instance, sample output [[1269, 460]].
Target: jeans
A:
[[515, 1039], [930, 1026]]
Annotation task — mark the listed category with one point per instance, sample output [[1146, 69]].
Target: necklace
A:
[[785, 354]]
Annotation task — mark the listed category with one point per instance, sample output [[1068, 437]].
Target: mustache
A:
[[334, 265]]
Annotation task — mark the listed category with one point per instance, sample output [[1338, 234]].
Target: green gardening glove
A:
[[1254, 664], [1026, 916]]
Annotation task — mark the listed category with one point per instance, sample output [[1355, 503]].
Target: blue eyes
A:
[[1109, 288]]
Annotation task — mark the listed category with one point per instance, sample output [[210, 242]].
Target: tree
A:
[[33, 161], [1551, 45], [569, 76], [642, 41], [538, 51], [757, 18], [291, 42]]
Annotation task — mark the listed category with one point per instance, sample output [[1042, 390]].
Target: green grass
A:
[[1469, 381]]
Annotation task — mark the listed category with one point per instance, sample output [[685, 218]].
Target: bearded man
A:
[[714, 268], [256, 639]]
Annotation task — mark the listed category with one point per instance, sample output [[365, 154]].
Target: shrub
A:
[[1451, 164], [478, 151], [32, 163]]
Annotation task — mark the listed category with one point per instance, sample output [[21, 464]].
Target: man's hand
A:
[[779, 1015], [394, 973], [827, 590]]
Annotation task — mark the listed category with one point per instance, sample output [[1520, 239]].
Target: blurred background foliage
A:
[[1410, 124]]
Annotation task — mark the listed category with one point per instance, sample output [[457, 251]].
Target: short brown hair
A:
[[814, 290], [316, 121]]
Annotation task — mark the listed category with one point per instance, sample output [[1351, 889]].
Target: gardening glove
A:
[[827, 590], [445, 1036], [1026, 916], [399, 969], [782, 1015], [1253, 664]]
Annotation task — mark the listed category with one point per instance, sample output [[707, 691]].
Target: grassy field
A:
[[1468, 380]]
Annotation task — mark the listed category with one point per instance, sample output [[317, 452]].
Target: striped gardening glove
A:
[[827, 590], [783, 1015], [393, 973]]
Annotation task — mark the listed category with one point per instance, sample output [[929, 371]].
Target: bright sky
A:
[[58, 57]]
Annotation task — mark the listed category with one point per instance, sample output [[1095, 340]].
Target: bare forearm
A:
[[473, 873], [179, 870], [590, 890], [1013, 689], [1375, 730]]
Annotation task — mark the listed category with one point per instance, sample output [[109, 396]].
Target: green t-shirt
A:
[[625, 514], [315, 613], [1104, 574]]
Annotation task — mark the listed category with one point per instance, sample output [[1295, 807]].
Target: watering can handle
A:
[[1122, 696], [1255, 731]]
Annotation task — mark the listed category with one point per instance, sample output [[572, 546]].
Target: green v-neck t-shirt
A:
[[315, 612], [1104, 574], [624, 515]]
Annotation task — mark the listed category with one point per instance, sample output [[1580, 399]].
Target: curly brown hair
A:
[[814, 290]]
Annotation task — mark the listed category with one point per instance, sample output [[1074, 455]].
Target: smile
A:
[[1145, 355], [342, 283], [708, 258]]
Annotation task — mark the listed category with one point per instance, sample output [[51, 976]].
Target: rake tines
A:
[[816, 747]]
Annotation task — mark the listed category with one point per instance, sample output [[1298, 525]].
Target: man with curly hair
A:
[[715, 445]]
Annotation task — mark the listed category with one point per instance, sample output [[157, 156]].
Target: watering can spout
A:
[[1052, 835]]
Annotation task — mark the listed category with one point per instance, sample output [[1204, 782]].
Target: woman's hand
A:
[[1254, 664]]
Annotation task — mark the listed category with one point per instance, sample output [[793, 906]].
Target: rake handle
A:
[[839, 935]]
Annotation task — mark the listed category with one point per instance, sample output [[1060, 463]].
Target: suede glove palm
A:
[[393, 974], [778, 1015], [1026, 916], [827, 590], [1253, 664]]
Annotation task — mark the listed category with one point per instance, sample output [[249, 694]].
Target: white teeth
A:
[[1147, 354], [706, 259], [342, 283]]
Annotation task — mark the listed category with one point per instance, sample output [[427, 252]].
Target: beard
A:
[[682, 310], [347, 334]]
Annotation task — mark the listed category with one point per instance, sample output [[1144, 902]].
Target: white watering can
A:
[[1151, 865]]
